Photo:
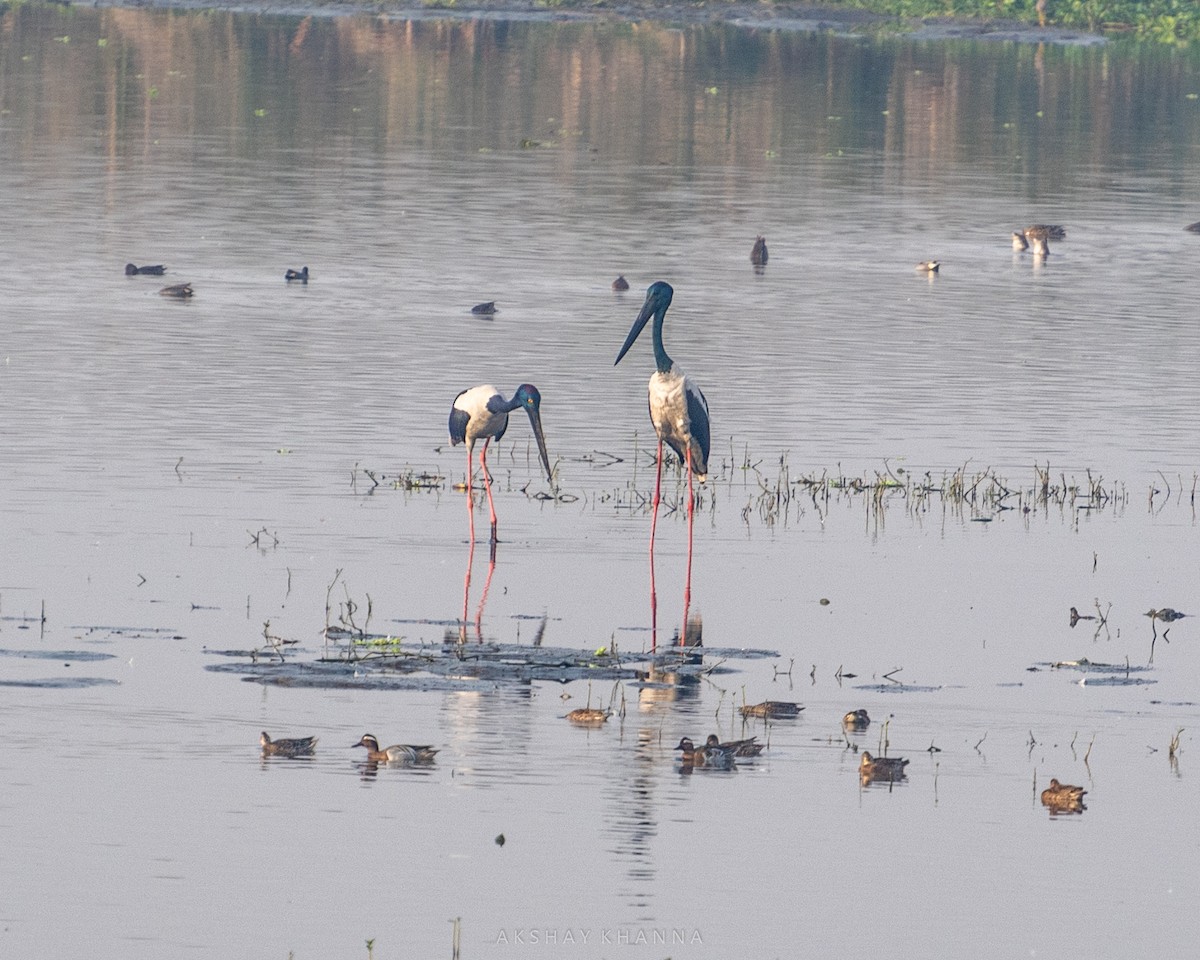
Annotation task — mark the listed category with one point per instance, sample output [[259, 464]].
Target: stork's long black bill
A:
[[638, 325], [535, 419]]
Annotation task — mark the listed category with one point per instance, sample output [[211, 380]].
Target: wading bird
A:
[[482, 413], [679, 413]]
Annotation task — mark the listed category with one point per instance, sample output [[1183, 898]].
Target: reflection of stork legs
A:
[[653, 527], [487, 585]]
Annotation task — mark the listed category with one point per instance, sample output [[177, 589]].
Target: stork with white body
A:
[[482, 413], [679, 413]]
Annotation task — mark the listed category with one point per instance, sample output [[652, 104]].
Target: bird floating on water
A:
[[620, 284], [589, 716], [679, 414], [1166, 615], [881, 768], [402, 753], [1063, 796], [295, 747], [772, 709], [856, 720], [750, 747], [758, 253], [1051, 231], [155, 270], [929, 266], [485, 309], [180, 291], [301, 274], [1039, 240], [707, 756], [482, 413]]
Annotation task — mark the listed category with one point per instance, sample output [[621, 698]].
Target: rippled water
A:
[[176, 475]]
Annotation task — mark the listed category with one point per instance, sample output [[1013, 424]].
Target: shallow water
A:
[[176, 475]]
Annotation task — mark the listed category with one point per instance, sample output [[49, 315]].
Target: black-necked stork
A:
[[679, 413], [482, 413]]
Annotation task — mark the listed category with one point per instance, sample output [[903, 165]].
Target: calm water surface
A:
[[421, 167]]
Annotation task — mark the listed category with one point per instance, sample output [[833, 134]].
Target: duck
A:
[[180, 291], [1051, 231], [297, 747], [881, 768], [132, 270], [758, 253], [856, 720], [485, 309], [928, 266], [1062, 795], [589, 715], [1193, 227], [620, 284], [749, 747], [772, 709], [301, 274], [1166, 615], [403, 753], [706, 756], [1039, 240]]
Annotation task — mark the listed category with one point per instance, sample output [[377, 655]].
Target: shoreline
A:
[[748, 14]]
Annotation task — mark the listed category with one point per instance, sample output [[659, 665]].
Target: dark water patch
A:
[[60, 683], [899, 688], [1110, 681], [425, 666], [136, 633], [57, 654], [336, 676], [1084, 665], [741, 653]]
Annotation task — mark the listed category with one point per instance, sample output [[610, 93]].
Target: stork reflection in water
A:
[[679, 413]]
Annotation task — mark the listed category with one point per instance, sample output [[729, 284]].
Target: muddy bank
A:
[[780, 16]]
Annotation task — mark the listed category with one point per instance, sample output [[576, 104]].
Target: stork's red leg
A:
[[487, 484]]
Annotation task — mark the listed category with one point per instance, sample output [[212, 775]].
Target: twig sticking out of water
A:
[[276, 643], [337, 575], [1089, 751], [456, 938], [257, 538], [1173, 749], [979, 742]]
